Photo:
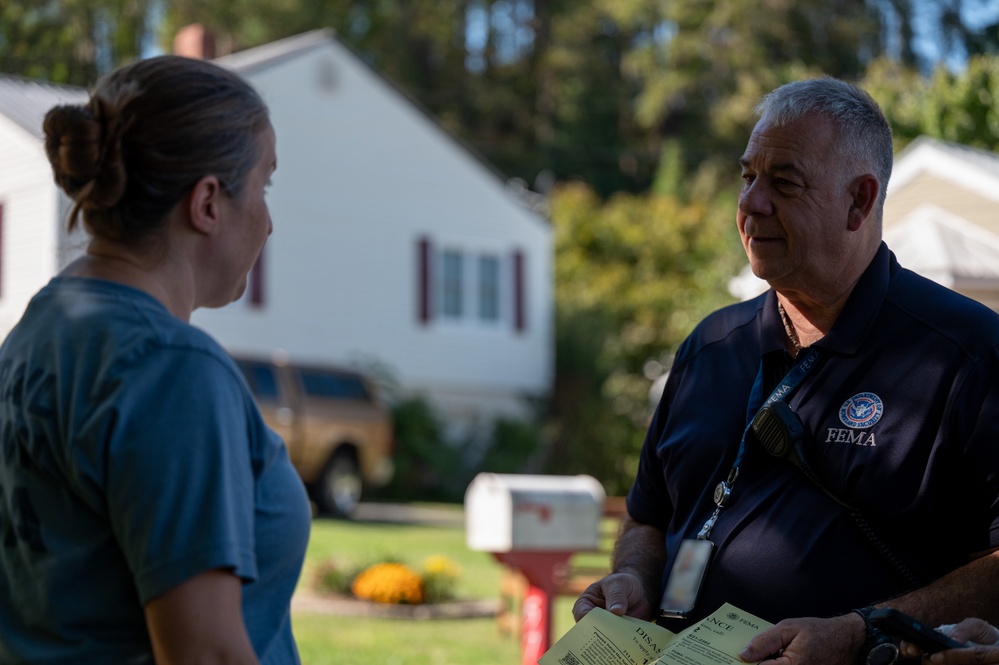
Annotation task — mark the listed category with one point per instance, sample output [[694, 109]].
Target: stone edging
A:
[[307, 601]]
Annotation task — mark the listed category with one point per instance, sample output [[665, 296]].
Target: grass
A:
[[338, 640]]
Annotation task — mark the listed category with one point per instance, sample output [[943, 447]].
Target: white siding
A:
[[29, 200], [362, 175]]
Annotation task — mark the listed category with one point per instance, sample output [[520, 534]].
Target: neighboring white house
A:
[[941, 219], [942, 216], [33, 242], [393, 244]]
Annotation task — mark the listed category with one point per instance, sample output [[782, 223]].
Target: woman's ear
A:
[[864, 190], [203, 204]]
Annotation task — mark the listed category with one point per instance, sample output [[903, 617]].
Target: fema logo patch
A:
[[861, 411]]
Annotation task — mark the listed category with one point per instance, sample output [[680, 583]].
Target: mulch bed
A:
[[308, 601]]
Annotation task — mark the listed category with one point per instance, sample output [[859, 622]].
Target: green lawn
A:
[[337, 640]]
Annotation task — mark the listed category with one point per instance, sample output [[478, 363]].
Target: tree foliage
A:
[[634, 273], [953, 106], [637, 111], [546, 90], [71, 41], [701, 73]]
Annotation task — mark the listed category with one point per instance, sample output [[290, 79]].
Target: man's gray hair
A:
[[864, 133]]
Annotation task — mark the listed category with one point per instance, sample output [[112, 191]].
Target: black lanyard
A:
[[791, 380]]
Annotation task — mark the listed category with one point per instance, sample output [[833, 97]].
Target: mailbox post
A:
[[534, 523]]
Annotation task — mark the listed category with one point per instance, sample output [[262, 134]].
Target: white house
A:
[[941, 219], [942, 216], [33, 243], [393, 244]]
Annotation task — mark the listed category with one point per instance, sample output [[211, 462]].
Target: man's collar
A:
[[854, 322]]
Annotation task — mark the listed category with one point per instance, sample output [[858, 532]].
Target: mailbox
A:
[[506, 513], [535, 524]]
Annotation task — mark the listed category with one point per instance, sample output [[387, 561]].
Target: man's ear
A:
[[204, 204], [864, 190]]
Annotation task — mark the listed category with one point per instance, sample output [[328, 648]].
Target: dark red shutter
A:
[[256, 285], [423, 280], [519, 320]]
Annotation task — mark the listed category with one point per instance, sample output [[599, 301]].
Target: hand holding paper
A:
[[602, 638]]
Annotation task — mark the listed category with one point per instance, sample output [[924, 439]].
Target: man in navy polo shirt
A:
[[882, 386]]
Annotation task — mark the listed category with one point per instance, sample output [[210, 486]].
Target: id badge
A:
[[685, 578]]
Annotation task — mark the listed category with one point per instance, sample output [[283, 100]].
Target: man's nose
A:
[[755, 199]]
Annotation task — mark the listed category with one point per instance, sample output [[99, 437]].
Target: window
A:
[[261, 378], [318, 383], [451, 291], [489, 288], [470, 287]]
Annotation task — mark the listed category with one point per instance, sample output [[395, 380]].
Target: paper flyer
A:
[[602, 638]]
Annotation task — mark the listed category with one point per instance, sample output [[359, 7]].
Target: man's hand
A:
[[639, 557], [619, 593], [808, 641], [981, 635], [970, 656]]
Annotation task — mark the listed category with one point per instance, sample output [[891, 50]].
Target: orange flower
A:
[[389, 583]]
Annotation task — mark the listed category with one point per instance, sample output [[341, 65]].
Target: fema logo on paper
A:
[[861, 411]]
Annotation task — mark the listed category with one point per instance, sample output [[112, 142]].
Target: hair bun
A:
[[85, 157]]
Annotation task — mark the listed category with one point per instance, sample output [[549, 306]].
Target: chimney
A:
[[194, 41]]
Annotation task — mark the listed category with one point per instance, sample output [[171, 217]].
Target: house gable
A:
[[945, 193], [957, 178], [258, 61], [370, 200]]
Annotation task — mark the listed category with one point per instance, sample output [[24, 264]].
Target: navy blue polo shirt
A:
[[901, 417]]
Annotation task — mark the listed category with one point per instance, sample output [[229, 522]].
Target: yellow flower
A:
[[440, 575], [440, 565], [389, 583]]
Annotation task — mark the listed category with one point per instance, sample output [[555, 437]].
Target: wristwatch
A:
[[880, 648]]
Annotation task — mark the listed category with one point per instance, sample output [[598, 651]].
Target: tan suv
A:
[[339, 436]]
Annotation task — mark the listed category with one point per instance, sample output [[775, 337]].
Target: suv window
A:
[[261, 377], [318, 383]]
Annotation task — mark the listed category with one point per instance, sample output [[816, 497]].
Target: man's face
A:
[[794, 204]]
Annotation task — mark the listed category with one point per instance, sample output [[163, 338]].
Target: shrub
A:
[[514, 444], [332, 578], [390, 581], [427, 467], [440, 576]]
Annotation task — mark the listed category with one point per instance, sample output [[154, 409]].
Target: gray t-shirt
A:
[[133, 458]]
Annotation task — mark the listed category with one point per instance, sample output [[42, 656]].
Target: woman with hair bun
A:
[[147, 513]]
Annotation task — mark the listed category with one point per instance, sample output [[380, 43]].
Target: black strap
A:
[[777, 416], [802, 366]]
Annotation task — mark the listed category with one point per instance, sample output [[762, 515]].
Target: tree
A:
[[956, 28], [702, 68], [71, 41], [624, 94], [958, 107], [633, 275]]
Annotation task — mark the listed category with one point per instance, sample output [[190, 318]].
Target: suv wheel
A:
[[339, 486]]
